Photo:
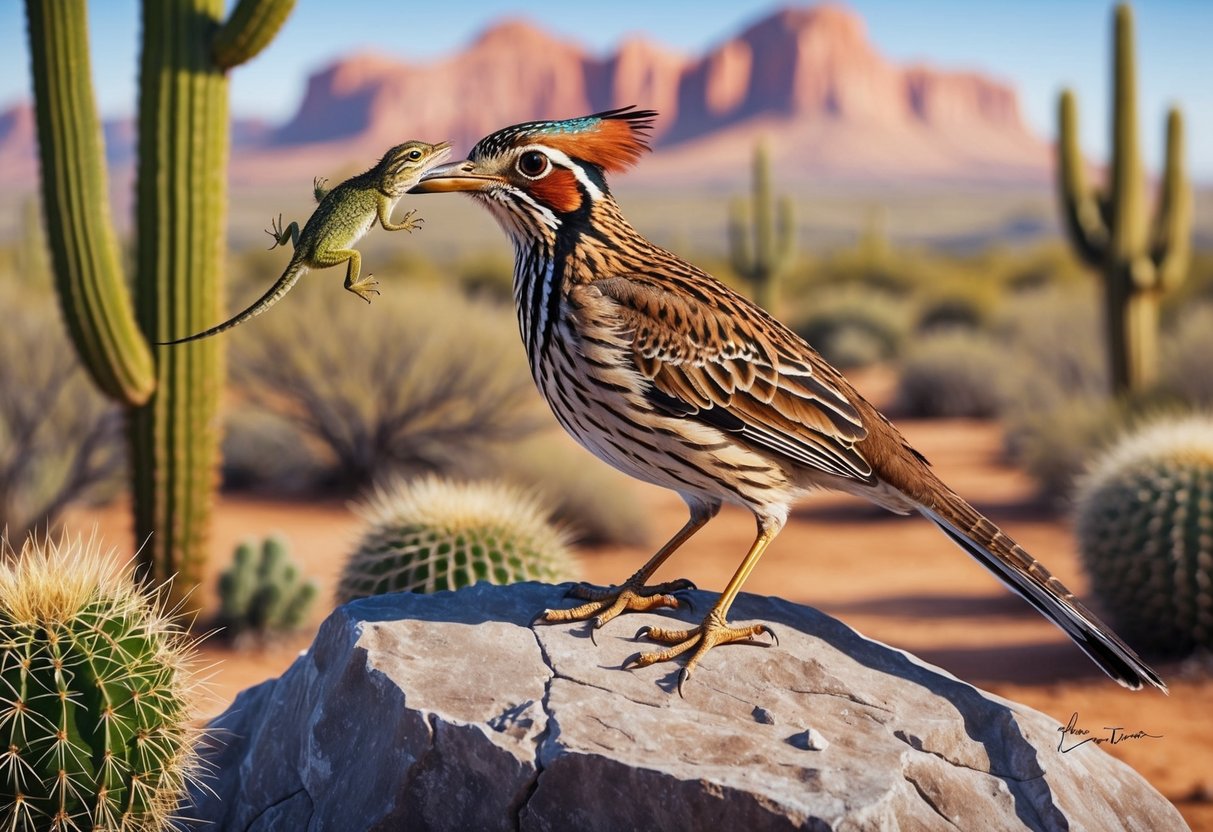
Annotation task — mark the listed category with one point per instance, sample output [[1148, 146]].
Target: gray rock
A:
[[450, 711]]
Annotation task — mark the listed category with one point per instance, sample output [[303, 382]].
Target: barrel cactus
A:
[[95, 695], [430, 534], [262, 592], [1145, 529]]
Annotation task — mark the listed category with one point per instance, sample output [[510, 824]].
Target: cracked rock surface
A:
[[451, 712]]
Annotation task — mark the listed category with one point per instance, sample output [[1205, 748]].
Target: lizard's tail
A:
[[1026, 576], [289, 278]]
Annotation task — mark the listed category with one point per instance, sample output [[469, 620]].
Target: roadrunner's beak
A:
[[455, 176]]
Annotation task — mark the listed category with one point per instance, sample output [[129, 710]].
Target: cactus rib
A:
[[92, 292]]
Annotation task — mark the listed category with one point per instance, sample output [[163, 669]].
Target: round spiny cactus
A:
[[1145, 528], [95, 695], [430, 534]]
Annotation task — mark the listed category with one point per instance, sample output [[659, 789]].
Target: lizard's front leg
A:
[[363, 287], [283, 235], [407, 224]]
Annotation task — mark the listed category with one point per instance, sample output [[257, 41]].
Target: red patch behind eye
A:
[[613, 145], [558, 190]]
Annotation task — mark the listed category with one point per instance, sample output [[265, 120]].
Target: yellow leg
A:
[[714, 629], [605, 603]]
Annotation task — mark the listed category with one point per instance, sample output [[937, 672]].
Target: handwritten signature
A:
[[1115, 735]]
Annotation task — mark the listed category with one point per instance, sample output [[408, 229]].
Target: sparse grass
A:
[[854, 327]]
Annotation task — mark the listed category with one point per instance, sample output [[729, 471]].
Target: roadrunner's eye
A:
[[533, 164], [414, 155]]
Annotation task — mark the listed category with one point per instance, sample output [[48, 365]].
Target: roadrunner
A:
[[672, 377]]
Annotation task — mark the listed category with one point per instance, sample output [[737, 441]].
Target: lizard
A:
[[344, 214]]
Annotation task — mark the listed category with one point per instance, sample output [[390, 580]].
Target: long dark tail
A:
[[1024, 575], [289, 278]]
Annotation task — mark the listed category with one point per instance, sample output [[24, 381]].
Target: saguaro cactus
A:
[[181, 197], [1111, 230], [761, 246]]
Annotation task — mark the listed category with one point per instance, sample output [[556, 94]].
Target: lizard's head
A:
[[403, 165]]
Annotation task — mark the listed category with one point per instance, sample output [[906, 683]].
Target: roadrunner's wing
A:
[[719, 359]]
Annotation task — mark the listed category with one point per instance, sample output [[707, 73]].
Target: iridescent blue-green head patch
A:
[[613, 140]]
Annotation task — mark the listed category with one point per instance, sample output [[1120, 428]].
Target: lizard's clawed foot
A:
[[410, 224], [318, 189], [713, 631], [605, 603], [364, 288], [280, 237]]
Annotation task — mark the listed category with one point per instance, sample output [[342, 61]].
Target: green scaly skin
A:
[[345, 213]]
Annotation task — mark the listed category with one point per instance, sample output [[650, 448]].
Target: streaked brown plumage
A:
[[672, 377]]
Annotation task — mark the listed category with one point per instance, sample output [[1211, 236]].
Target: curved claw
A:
[[771, 633], [643, 632], [594, 632], [631, 662], [541, 617], [683, 675], [687, 600]]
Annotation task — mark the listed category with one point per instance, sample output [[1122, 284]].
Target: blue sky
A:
[[1039, 45]]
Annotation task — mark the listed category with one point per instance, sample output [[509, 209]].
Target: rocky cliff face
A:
[[450, 711], [809, 73], [807, 80]]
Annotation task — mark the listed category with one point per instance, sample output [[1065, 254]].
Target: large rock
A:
[[450, 711]]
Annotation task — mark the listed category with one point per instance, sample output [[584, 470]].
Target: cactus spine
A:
[[761, 246], [181, 205], [1145, 530], [96, 696], [1111, 231], [262, 592], [431, 535]]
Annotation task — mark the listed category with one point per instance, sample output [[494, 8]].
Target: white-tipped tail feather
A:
[[1029, 579]]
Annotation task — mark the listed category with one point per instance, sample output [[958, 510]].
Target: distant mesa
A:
[[808, 79]]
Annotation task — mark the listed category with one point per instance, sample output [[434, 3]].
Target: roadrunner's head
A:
[[402, 166], [542, 176]]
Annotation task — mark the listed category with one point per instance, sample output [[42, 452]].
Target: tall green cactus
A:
[[1111, 230], [761, 246], [181, 197]]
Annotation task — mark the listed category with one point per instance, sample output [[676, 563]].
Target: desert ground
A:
[[895, 579]]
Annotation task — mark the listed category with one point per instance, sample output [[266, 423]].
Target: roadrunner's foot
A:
[[364, 288], [713, 631], [606, 602]]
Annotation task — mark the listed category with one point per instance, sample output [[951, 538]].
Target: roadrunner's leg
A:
[[605, 603], [715, 628]]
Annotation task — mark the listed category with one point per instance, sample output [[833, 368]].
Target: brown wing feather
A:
[[738, 369]]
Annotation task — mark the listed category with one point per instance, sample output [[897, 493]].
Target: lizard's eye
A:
[[414, 154], [533, 164]]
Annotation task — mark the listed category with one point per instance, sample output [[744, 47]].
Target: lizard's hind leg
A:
[[283, 235], [363, 287]]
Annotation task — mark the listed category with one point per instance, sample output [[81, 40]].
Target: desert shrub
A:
[[429, 535], [264, 451], [60, 440], [593, 501], [854, 327], [1055, 443], [1186, 372], [951, 374], [487, 275], [421, 380]]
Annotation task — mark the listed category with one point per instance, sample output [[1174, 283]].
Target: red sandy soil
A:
[[894, 579]]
